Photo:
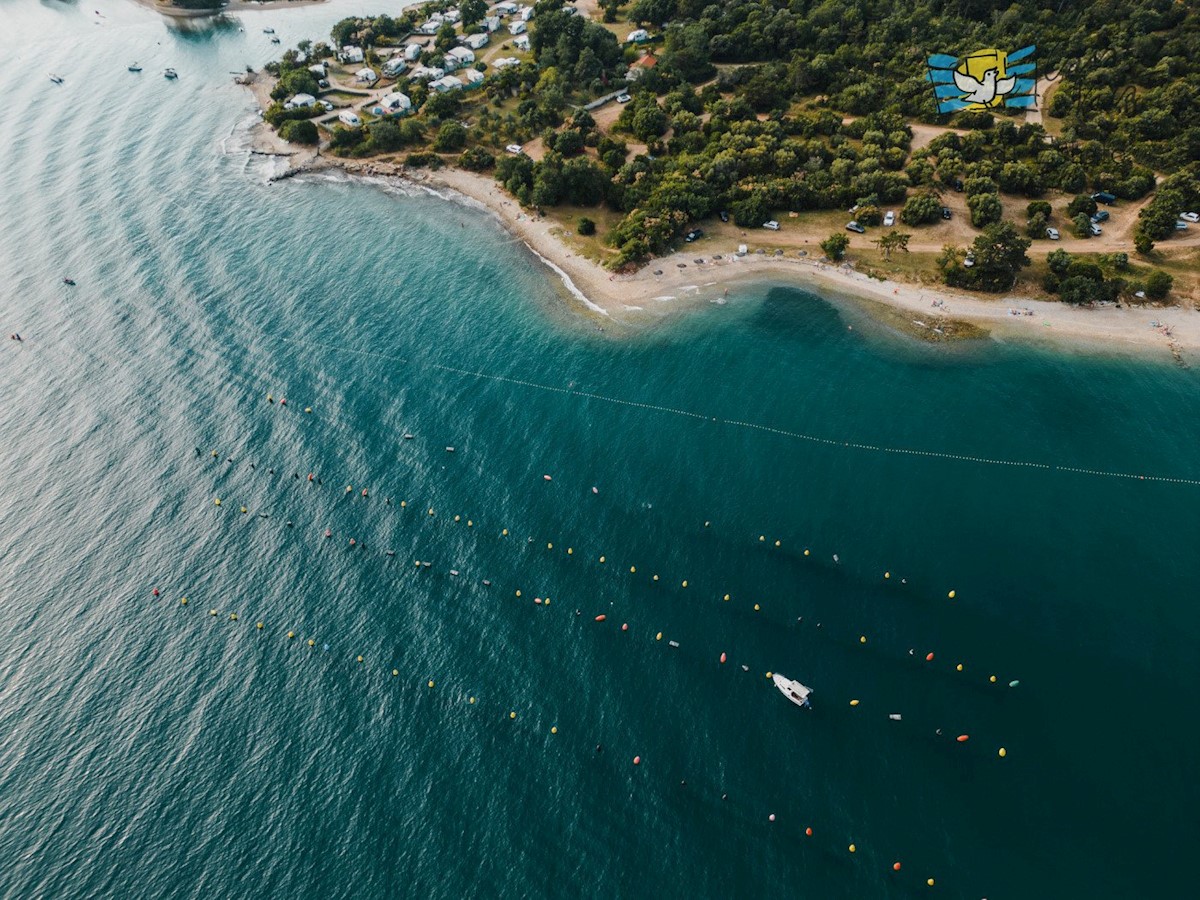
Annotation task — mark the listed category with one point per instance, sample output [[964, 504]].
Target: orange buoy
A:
[[601, 617], [808, 831], [895, 867], [723, 658], [624, 626], [963, 738], [928, 657], [637, 760]]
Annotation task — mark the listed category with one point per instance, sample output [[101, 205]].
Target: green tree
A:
[[1038, 206], [1158, 284], [472, 11], [1081, 225], [1082, 204], [868, 215], [835, 246], [299, 131], [476, 159], [893, 240], [921, 209], [999, 256], [586, 226], [450, 137], [1059, 261], [751, 211], [985, 209], [1035, 228]]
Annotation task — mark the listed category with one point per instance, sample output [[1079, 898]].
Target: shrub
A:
[[451, 136], [586, 226], [921, 210], [835, 246], [476, 159], [298, 131], [1158, 284]]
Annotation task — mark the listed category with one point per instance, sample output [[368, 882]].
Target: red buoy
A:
[[723, 658], [601, 617], [928, 657], [637, 760], [624, 626], [896, 866], [156, 592], [808, 831], [963, 738]]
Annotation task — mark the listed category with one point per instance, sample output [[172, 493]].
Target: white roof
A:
[[303, 100], [365, 75], [426, 73], [449, 83], [474, 76], [395, 100], [505, 61], [463, 54]]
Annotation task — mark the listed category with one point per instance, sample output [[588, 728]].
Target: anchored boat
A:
[[793, 690]]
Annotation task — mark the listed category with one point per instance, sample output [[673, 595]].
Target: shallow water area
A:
[[148, 747]]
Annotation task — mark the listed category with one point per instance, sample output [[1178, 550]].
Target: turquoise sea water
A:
[[150, 749]]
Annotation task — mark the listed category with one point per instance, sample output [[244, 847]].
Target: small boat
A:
[[170, 74], [268, 31], [134, 67], [274, 40], [57, 79], [70, 281], [793, 690], [407, 436]]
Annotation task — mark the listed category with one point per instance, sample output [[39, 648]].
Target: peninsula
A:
[[658, 149]]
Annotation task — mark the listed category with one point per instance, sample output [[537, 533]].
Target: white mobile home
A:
[[393, 104], [412, 52], [517, 27], [462, 55], [475, 41], [426, 73], [492, 23], [449, 83], [521, 42], [346, 117], [351, 54], [366, 76], [473, 77], [394, 66]]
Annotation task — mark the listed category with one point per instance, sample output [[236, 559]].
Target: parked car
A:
[[1104, 197], [1100, 216], [958, 185], [771, 226], [693, 234], [623, 98], [889, 219], [514, 149], [1052, 233], [1190, 217], [324, 83], [855, 227], [328, 106], [946, 212], [1095, 229], [724, 214], [970, 260], [1181, 225]]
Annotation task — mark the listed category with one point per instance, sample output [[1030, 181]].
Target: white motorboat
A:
[[793, 690]]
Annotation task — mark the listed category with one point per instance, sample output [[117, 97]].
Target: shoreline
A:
[[231, 7], [927, 314], [684, 282]]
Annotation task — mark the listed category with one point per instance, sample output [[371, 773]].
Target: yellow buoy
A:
[[233, 617], [311, 642], [862, 638], [291, 635], [458, 518], [777, 543], [549, 546], [806, 552], [1003, 753], [887, 574], [992, 679], [259, 625], [512, 715], [212, 612], [633, 568], [685, 584], [854, 703], [726, 598], [757, 607], [308, 409], [656, 578], [853, 848], [504, 533], [602, 559], [360, 659], [403, 503], [395, 672], [431, 510], [768, 674], [245, 510], [214, 453], [554, 729], [183, 602], [959, 667], [518, 593], [217, 501], [470, 699], [951, 595], [570, 551], [658, 637], [431, 682], [929, 881], [469, 523]]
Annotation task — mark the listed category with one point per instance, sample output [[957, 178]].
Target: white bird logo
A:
[[983, 92]]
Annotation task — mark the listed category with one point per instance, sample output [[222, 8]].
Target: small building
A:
[[426, 73], [451, 15], [473, 77], [517, 27], [474, 41], [521, 42], [412, 52], [505, 62], [366, 76], [506, 8], [393, 104], [492, 24], [638, 36], [433, 25], [463, 55], [300, 101], [394, 66], [350, 118], [351, 54], [525, 13], [443, 85], [318, 70]]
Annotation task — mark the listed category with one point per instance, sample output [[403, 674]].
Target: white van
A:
[[346, 117]]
